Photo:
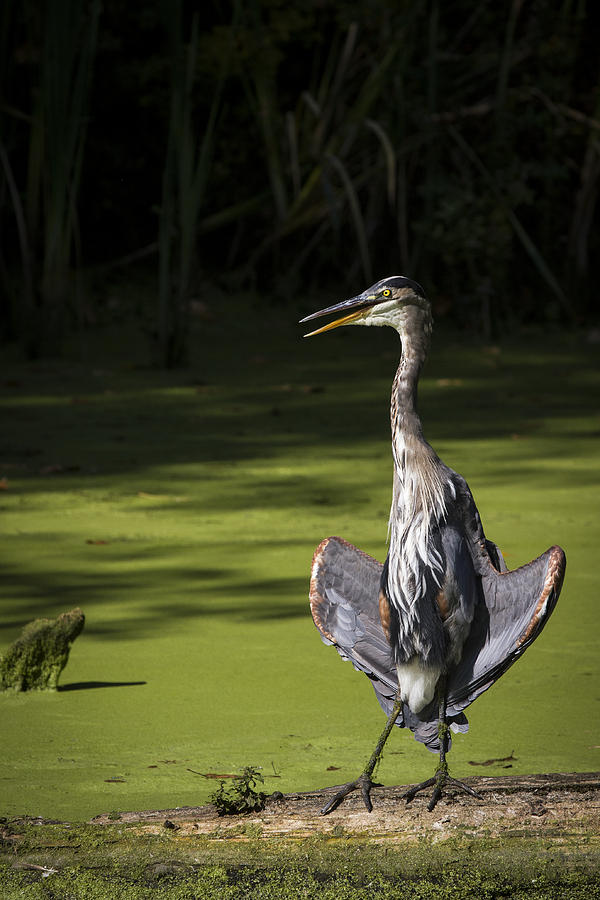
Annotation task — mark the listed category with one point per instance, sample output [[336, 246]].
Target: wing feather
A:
[[511, 611], [516, 606], [344, 591]]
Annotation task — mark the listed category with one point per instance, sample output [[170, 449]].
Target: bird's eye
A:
[[386, 293]]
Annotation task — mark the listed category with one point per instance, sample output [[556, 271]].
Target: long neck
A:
[[420, 478], [406, 424], [419, 474]]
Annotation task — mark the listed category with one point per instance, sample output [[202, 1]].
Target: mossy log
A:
[[38, 656], [534, 837]]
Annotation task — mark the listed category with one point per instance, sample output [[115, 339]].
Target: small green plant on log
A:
[[242, 796]]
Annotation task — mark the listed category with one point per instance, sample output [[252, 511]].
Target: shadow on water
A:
[[118, 433], [160, 594], [89, 685], [72, 426]]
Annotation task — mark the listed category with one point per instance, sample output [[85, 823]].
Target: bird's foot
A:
[[440, 780], [363, 782]]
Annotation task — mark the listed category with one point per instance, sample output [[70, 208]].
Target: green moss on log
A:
[[38, 656]]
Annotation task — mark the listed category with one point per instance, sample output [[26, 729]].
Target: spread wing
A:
[[344, 592], [517, 605], [511, 610]]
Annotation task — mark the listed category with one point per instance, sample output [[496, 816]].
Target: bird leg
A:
[[441, 777], [364, 781]]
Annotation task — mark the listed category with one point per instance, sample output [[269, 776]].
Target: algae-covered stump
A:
[[38, 656]]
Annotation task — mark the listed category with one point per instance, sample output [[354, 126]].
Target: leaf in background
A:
[[491, 762], [215, 775]]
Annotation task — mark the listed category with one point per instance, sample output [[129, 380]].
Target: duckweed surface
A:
[[180, 511]]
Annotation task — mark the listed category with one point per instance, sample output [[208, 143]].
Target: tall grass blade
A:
[[357, 218], [310, 101], [390, 158], [186, 178], [524, 238], [57, 141], [329, 101], [22, 232], [505, 64], [292, 136], [584, 210], [267, 117]]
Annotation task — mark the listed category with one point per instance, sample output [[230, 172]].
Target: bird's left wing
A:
[[513, 609], [344, 601]]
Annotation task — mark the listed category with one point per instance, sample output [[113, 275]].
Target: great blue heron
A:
[[443, 618]]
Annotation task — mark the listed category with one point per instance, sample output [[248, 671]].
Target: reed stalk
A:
[[328, 167], [186, 177], [56, 150]]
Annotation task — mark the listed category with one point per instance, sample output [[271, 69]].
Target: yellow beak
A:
[[345, 320]]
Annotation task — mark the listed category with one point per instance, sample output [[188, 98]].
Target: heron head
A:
[[383, 303]]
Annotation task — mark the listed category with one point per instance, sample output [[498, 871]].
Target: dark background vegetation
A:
[[283, 148]]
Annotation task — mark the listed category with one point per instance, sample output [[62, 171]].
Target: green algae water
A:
[[180, 512]]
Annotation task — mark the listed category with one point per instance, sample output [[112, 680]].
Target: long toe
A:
[[464, 787], [413, 791], [440, 780], [362, 783]]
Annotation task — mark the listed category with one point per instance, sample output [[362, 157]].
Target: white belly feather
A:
[[417, 684]]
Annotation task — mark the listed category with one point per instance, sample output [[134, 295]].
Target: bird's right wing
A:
[[344, 601]]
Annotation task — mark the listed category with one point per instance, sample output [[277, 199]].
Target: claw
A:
[[465, 787], [440, 780], [437, 793], [363, 782], [366, 793], [412, 793]]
